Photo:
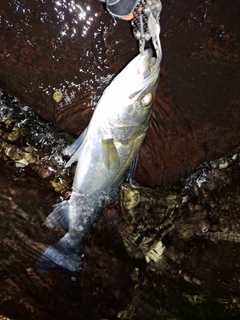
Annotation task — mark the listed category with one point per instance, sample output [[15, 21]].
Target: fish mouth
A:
[[142, 71], [149, 64], [142, 64], [147, 73]]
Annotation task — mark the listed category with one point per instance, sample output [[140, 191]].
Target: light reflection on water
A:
[[73, 17], [60, 33], [78, 13]]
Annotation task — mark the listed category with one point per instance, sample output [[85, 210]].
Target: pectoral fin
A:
[[70, 150], [74, 149], [109, 154]]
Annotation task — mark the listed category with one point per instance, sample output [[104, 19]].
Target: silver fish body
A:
[[104, 151]]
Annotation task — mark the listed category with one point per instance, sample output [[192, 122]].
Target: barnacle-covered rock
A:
[[153, 216], [192, 267], [27, 141], [15, 133], [149, 214]]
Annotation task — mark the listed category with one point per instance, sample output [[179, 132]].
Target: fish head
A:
[[133, 93]]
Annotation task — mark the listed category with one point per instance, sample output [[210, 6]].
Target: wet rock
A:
[[185, 237], [27, 293], [193, 208], [163, 253], [27, 141], [75, 49], [70, 48]]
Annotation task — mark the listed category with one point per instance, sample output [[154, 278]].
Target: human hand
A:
[[121, 8]]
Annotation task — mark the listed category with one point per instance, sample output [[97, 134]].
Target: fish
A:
[[105, 153]]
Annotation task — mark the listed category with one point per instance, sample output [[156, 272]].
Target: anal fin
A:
[[59, 216]]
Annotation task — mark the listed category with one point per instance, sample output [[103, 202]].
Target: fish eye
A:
[[147, 99]]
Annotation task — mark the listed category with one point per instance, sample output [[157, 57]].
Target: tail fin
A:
[[62, 254], [65, 252]]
